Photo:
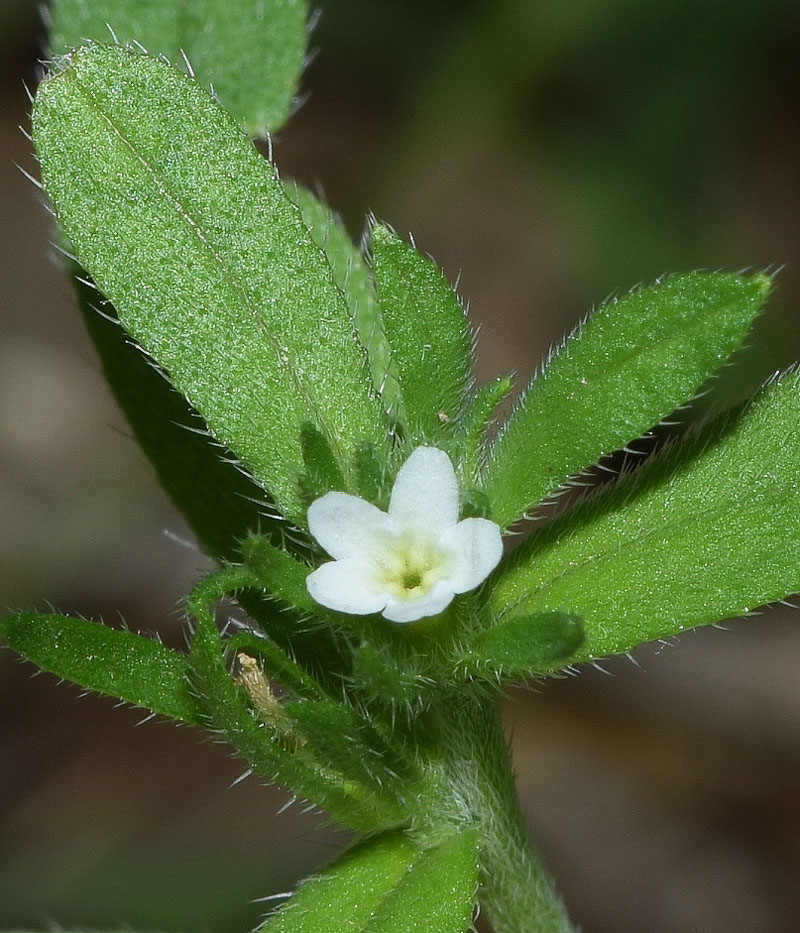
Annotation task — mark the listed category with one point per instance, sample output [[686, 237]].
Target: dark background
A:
[[550, 154]]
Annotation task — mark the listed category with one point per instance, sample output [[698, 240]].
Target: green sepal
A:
[[269, 589], [524, 646], [252, 59], [378, 674], [190, 234], [706, 530], [116, 662], [386, 885], [281, 576], [429, 336], [633, 362], [220, 502]]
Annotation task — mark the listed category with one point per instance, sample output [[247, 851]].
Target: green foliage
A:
[[299, 368], [377, 674], [386, 885], [635, 360], [278, 573], [438, 894], [476, 422], [252, 57], [227, 291], [525, 645], [352, 275], [352, 744], [272, 748], [138, 670], [706, 530], [428, 333]]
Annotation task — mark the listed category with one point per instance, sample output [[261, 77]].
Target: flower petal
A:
[[477, 547], [425, 490], [345, 525], [347, 586], [412, 608]]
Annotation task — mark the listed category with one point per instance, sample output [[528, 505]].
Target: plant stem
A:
[[516, 892]]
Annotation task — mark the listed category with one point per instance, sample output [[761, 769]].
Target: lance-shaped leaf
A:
[[633, 362], [138, 670], [251, 58], [219, 501], [385, 885], [706, 530], [191, 236], [428, 333]]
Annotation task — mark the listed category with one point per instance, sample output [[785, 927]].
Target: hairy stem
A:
[[516, 893]]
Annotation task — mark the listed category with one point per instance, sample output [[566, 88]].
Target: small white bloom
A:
[[409, 562]]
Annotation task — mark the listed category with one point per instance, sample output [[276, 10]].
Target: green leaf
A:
[[384, 885], [526, 645], [477, 421], [377, 673], [429, 335], [706, 530], [138, 670], [252, 57], [219, 502], [349, 889], [190, 235], [634, 361], [351, 274], [437, 895]]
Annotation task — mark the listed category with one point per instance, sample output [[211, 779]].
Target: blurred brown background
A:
[[549, 154]]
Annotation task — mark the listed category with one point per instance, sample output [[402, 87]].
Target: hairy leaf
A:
[[138, 670], [706, 530], [385, 885], [526, 645], [351, 743], [634, 361], [437, 895], [252, 58], [353, 278], [428, 333], [210, 267]]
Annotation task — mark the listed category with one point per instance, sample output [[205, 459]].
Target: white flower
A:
[[408, 562]]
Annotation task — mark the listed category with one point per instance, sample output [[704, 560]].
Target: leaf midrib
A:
[[283, 364]]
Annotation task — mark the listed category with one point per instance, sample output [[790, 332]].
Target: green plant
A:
[[330, 404]]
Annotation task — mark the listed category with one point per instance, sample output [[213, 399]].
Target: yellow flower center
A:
[[410, 563]]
